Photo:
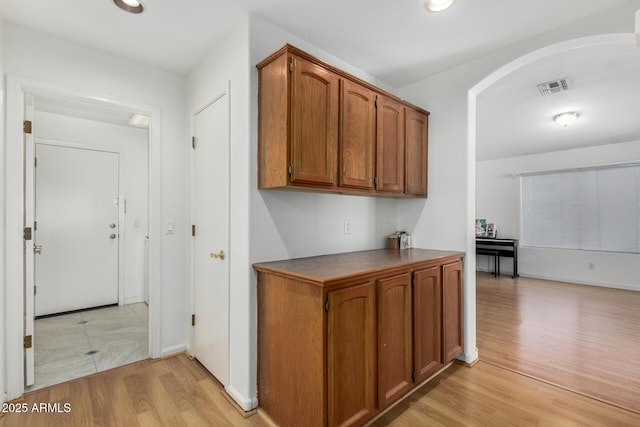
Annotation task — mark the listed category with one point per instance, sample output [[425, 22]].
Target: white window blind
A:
[[595, 209]]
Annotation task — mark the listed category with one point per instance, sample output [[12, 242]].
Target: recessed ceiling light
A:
[[139, 120], [565, 119], [438, 5], [131, 6]]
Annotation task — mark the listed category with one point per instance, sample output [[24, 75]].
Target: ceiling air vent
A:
[[554, 86]]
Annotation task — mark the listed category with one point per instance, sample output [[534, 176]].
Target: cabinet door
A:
[[394, 338], [452, 311], [351, 355], [427, 299], [416, 153], [390, 146], [314, 123], [357, 135]]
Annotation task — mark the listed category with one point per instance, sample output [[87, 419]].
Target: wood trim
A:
[[288, 48], [468, 365], [406, 396]]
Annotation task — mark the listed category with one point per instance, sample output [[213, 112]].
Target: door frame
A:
[[16, 88], [122, 192]]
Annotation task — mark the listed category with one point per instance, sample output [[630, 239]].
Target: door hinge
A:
[[35, 289], [35, 162], [289, 169], [26, 126], [28, 341], [193, 231], [27, 233], [326, 305], [193, 320], [193, 142], [291, 67], [35, 225]]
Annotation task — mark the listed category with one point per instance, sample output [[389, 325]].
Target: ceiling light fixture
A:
[[131, 6], [139, 120], [438, 5], [565, 119]]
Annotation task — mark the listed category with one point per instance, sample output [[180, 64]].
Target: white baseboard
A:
[[469, 358], [569, 280], [170, 351], [247, 404], [581, 282], [134, 300]]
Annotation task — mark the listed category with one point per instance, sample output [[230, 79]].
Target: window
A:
[[595, 209]]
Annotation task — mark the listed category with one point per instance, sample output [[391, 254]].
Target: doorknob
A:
[[218, 255], [37, 249], [112, 236]]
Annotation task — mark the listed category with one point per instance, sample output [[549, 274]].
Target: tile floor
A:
[[78, 344]]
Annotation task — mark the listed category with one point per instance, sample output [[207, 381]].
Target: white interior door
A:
[[77, 232], [210, 210]]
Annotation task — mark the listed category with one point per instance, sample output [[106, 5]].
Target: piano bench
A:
[[496, 258]]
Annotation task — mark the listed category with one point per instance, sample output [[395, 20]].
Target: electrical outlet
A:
[[347, 226]]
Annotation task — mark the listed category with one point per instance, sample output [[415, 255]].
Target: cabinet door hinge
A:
[[376, 102], [289, 169], [35, 162], [291, 67], [193, 320], [27, 233], [375, 181], [26, 126], [193, 231], [193, 142], [413, 375], [28, 341], [326, 305]]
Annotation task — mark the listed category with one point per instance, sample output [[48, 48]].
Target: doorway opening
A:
[[85, 148]]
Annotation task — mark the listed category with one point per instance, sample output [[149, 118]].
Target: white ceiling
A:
[[396, 41], [515, 119]]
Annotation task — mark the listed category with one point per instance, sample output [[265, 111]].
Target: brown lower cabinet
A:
[[341, 337]]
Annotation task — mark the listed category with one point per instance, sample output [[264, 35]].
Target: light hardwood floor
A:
[[583, 338], [180, 392], [175, 391]]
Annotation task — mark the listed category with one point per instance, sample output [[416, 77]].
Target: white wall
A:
[[498, 191], [450, 209], [268, 225], [53, 62], [2, 239], [287, 224], [228, 62], [132, 143]]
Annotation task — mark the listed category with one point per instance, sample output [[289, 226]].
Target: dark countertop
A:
[[329, 268]]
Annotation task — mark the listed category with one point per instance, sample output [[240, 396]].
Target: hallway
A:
[[74, 345]]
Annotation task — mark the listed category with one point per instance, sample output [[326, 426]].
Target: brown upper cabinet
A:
[[357, 135], [321, 128], [416, 126], [391, 141]]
